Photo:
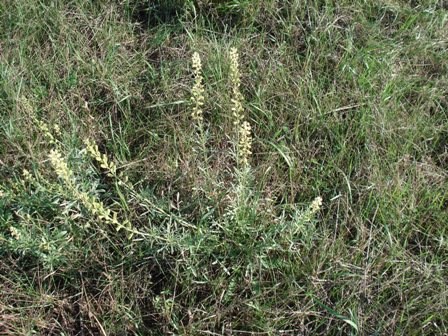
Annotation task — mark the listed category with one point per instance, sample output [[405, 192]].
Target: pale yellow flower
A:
[[245, 143], [14, 232], [92, 204], [197, 90], [237, 97], [94, 152], [316, 204], [60, 166]]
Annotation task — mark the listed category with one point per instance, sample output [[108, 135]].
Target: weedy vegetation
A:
[[223, 167]]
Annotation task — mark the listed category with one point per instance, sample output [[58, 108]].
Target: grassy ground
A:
[[347, 101]]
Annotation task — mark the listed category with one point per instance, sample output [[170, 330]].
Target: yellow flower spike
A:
[[41, 126], [45, 130], [245, 143], [243, 129], [60, 166], [94, 152], [93, 205], [197, 90], [237, 106]]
